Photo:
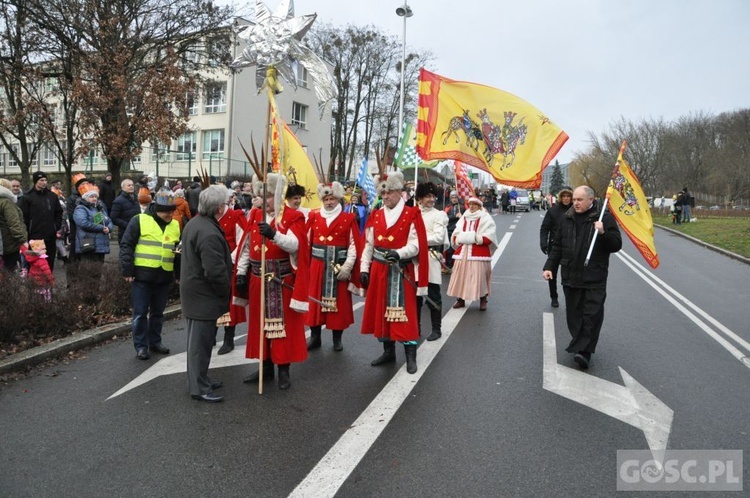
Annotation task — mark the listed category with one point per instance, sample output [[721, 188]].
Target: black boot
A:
[[228, 340], [314, 341], [411, 357], [267, 373], [388, 356], [284, 382], [337, 346], [436, 317]]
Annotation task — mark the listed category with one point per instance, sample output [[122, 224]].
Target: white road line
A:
[[325, 479], [653, 280], [512, 227]]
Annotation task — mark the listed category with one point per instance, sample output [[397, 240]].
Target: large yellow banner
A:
[[486, 128]]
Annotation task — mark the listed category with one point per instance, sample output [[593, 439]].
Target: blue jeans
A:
[[686, 213], [149, 301]]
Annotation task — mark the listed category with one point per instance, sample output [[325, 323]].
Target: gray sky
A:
[[584, 63]]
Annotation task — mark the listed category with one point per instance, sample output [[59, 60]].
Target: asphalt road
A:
[[476, 421]]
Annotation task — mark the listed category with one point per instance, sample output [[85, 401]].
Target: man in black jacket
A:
[[192, 194], [553, 219], [42, 214], [124, 207], [584, 285], [148, 262], [107, 192]]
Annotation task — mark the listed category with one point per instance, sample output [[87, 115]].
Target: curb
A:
[[735, 256], [78, 340]]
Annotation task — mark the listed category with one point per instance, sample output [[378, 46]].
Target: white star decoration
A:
[[275, 40]]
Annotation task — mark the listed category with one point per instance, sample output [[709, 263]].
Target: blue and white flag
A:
[[364, 180]]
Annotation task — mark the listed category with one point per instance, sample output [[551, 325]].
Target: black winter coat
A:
[[192, 194], [206, 273], [42, 213], [551, 221], [107, 194], [124, 208], [571, 244]]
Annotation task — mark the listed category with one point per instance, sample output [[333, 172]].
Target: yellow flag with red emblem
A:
[[628, 204], [288, 155], [487, 128]]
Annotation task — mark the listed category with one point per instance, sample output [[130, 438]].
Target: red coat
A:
[[233, 225], [339, 233], [39, 271], [293, 347], [395, 237]]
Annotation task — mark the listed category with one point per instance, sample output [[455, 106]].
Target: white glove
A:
[[345, 272]]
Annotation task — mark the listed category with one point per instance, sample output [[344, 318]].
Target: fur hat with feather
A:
[[335, 189]]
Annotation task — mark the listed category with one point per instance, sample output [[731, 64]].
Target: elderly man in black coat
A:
[[205, 287], [584, 285]]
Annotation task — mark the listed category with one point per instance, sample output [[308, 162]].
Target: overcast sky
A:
[[584, 63]]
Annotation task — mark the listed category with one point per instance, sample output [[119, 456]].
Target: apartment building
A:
[[228, 110]]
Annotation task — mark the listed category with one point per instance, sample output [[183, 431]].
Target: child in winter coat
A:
[[38, 271]]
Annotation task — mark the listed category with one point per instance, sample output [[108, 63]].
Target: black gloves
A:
[[391, 256], [266, 230], [241, 285], [545, 250], [365, 279]]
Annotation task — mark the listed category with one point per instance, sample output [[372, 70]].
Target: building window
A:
[[300, 74], [191, 103], [159, 152], [186, 147], [213, 144], [218, 51], [216, 94], [48, 156], [11, 157], [191, 56], [51, 84], [299, 115]]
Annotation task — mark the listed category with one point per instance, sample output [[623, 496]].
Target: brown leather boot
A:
[[483, 303], [460, 303]]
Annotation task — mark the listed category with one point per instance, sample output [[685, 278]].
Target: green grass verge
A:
[[732, 234]]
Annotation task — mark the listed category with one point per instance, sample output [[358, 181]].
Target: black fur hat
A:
[[426, 188], [294, 190]]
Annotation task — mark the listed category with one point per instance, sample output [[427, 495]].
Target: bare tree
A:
[[134, 65], [730, 160], [21, 83]]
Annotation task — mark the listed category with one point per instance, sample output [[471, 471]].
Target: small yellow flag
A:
[[629, 205]]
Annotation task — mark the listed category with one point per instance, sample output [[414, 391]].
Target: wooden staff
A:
[[264, 169]]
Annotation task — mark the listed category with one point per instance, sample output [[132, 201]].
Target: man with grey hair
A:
[[584, 284], [205, 290], [124, 207]]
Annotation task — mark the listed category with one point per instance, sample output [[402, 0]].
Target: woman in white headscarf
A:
[[474, 240]]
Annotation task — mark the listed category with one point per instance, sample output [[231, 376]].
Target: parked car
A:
[[522, 201], [715, 208]]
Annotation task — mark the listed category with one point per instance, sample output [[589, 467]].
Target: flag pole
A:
[[270, 75], [604, 204]]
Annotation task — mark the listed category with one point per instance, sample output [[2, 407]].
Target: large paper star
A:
[[275, 40]]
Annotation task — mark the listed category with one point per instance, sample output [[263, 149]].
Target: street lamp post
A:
[[405, 12]]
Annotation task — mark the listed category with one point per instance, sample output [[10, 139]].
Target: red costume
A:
[[233, 224], [335, 239], [381, 296], [285, 308]]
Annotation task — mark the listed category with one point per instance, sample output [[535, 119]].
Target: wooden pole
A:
[[262, 334]]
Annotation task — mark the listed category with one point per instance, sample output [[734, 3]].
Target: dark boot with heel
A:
[[337, 345], [437, 324], [410, 350], [388, 356], [284, 382], [267, 373], [314, 341], [228, 341]]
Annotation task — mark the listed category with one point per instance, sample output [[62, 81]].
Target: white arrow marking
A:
[[631, 403], [177, 363]]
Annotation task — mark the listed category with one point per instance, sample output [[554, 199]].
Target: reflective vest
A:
[[154, 248]]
